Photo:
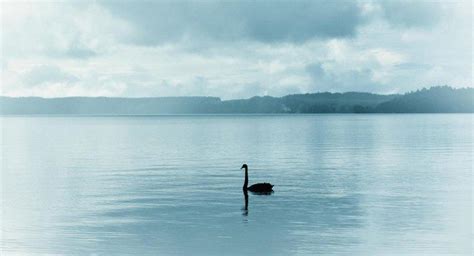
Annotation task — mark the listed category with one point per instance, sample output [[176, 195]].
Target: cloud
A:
[[346, 67], [341, 81], [232, 49], [264, 21], [47, 74], [73, 30], [404, 13]]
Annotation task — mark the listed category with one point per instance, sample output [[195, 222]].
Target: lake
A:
[[172, 185]]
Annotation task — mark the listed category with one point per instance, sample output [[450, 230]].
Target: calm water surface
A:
[[171, 185]]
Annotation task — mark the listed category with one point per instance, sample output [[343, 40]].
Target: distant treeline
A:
[[441, 99]]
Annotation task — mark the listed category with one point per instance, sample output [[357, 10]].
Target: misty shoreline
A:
[[441, 99]]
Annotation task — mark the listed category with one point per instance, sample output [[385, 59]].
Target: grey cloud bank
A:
[[264, 21], [411, 13], [233, 49]]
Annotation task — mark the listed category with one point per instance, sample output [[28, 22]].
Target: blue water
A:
[[171, 185]]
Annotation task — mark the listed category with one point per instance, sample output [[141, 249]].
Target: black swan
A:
[[257, 188]]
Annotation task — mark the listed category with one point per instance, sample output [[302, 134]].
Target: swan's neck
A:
[[246, 181]]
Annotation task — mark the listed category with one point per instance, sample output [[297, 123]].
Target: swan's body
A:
[[261, 187], [257, 188]]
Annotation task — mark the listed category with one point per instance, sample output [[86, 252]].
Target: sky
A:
[[232, 49]]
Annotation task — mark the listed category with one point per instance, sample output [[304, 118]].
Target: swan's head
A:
[[244, 166]]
